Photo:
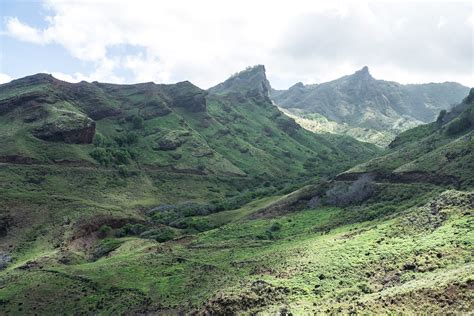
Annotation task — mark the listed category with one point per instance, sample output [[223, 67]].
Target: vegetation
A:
[[370, 110], [178, 204]]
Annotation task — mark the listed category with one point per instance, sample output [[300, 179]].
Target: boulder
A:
[[69, 127]]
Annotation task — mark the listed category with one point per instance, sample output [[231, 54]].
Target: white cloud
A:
[[24, 32], [205, 41], [4, 78]]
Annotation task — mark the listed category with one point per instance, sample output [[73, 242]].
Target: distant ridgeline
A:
[[441, 152], [233, 129], [365, 108]]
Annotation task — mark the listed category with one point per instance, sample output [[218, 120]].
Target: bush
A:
[[126, 139], [136, 120], [102, 156], [131, 230], [161, 235], [105, 247], [104, 231], [275, 227]]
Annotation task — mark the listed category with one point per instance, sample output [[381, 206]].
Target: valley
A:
[[170, 199]]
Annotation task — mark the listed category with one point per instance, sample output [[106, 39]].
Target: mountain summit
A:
[[363, 74], [369, 109], [252, 81]]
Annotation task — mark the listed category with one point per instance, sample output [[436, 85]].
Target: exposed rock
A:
[[5, 260], [171, 140], [69, 127], [251, 82], [154, 108], [188, 96], [32, 99], [92, 99]]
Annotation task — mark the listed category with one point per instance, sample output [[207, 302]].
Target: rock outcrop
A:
[[70, 128]]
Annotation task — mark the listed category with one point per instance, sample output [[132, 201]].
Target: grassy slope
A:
[[317, 256], [432, 149], [311, 264]]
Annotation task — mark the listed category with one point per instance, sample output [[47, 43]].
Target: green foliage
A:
[[137, 121], [104, 231], [161, 234], [105, 247], [460, 125]]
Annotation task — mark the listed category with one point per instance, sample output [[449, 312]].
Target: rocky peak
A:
[[298, 85], [36, 79], [470, 98], [363, 74], [252, 81]]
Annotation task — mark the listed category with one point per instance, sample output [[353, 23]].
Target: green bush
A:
[[102, 156], [105, 247], [161, 235], [104, 231], [137, 121]]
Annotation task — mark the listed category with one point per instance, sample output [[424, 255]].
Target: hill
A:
[[112, 204], [441, 151], [366, 108]]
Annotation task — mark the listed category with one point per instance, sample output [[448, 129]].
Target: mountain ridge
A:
[[361, 101]]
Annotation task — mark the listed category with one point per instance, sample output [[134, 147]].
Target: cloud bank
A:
[[311, 41]]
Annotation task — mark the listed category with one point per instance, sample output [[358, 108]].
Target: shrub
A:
[[136, 120], [104, 231], [161, 235], [105, 247], [131, 230], [102, 156], [275, 227]]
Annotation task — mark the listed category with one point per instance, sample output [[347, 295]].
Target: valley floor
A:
[[407, 250]]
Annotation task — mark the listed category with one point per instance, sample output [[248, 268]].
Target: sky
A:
[[206, 41]]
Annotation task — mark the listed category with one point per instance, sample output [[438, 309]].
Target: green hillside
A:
[[167, 199], [439, 152], [358, 102]]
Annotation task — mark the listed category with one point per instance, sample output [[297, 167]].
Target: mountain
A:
[[439, 152], [369, 109], [154, 199], [177, 127]]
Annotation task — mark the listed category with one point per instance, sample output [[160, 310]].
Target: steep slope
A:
[[359, 101], [141, 222], [176, 127], [441, 151]]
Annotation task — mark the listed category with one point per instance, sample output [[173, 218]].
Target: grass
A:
[[358, 264]]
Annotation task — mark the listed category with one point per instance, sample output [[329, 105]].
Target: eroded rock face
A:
[[26, 100], [70, 128], [188, 96]]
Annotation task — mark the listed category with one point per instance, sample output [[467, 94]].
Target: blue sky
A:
[[206, 41], [21, 58]]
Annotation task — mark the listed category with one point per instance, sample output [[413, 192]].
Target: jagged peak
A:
[[470, 97], [363, 73], [297, 85], [253, 78]]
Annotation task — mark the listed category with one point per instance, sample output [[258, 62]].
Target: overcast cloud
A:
[[206, 41]]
